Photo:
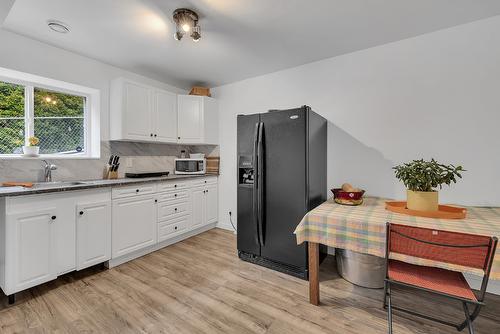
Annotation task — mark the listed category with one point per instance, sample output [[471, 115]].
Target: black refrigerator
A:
[[281, 176]]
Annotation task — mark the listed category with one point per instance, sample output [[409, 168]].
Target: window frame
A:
[[91, 115]]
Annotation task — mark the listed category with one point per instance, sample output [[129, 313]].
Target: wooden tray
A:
[[444, 212]]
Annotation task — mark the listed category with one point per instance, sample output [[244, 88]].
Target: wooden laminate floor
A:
[[200, 286]]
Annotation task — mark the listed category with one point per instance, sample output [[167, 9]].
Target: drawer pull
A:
[[137, 190], [175, 228], [175, 195], [53, 217], [175, 209], [81, 213], [156, 201], [175, 186]]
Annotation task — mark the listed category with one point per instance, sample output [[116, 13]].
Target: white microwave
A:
[[190, 166]]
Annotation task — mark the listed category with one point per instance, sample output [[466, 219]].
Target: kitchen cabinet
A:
[[30, 237], [39, 239], [93, 231], [197, 120], [197, 207], [133, 224], [141, 112], [165, 116], [211, 204], [204, 205]]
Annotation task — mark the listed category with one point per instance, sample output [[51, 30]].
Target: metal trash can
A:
[[361, 269]]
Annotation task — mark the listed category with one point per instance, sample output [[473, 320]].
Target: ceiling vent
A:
[[58, 26]]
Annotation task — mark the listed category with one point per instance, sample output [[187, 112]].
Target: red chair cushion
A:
[[436, 279]]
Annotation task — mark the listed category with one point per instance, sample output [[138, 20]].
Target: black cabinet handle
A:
[[137, 190], [178, 137], [53, 217], [151, 135], [155, 134], [81, 213], [175, 209], [175, 228], [205, 181], [175, 186], [207, 191], [156, 201], [175, 195]]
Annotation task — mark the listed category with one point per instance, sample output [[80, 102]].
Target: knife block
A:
[[109, 175]]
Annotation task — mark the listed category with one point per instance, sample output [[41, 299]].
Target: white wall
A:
[[435, 95], [27, 55]]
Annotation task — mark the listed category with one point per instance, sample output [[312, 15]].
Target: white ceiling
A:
[[240, 38]]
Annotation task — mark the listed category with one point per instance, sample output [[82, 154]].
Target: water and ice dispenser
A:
[[245, 169]]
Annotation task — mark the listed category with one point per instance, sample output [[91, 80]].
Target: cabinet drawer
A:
[[136, 190], [168, 210], [172, 185], [172, 227], [174, 195], [203, 180]]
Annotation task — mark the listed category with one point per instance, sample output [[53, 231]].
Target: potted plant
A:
[[421, 179], [32, 148]]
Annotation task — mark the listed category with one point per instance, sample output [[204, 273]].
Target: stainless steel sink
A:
[[58, 184]]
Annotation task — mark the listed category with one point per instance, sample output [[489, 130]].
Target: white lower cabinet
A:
[[198, 207], [43, 236], [30, 237], [93, 234], [205, 205], [134, 224], [170, 228]]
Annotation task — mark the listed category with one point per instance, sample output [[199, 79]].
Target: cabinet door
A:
[[133, 224], [197, 207], [93, 234], [190, 119], [31, 241], [165, 116], [137, 111], [211, 204]]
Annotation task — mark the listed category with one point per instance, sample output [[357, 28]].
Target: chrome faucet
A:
[[47, 170]]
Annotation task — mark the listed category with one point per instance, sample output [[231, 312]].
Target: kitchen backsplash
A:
[[141, 157]]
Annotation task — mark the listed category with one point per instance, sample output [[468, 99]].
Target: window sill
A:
[[48, 157]]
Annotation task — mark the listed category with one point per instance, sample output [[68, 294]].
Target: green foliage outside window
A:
[[58, 120]]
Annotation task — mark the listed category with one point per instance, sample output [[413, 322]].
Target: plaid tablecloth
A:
[[362, 229]]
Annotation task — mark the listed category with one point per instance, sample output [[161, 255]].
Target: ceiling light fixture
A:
[[186, 21], [58, 26]]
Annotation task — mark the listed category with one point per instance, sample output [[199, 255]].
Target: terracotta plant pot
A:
[[422, 200]]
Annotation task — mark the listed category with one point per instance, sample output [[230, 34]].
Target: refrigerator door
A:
[[284, 179], [248, 234]]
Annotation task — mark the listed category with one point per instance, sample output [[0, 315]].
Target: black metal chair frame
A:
[[469, 317]]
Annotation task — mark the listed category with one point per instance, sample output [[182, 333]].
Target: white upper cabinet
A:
[[144, 113], [165, 116], [197, 120]]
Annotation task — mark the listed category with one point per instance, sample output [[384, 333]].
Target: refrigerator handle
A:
[[255, 193], [260, 183]]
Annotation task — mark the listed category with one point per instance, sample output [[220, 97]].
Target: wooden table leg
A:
[[313, 273]]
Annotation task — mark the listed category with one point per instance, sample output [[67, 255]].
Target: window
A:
[[64, 117]]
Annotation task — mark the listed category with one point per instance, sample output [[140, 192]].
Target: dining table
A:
[[362, 229]]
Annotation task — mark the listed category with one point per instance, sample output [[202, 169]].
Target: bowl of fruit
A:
[[348, 195]]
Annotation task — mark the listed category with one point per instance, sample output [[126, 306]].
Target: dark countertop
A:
[[89, 184]]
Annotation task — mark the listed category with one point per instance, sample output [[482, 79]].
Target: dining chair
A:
[[461, 249]]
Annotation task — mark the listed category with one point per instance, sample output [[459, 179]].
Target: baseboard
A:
[[226, 226], [139, 253]]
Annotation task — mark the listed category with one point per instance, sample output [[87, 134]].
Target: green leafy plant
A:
[[421, 175]]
